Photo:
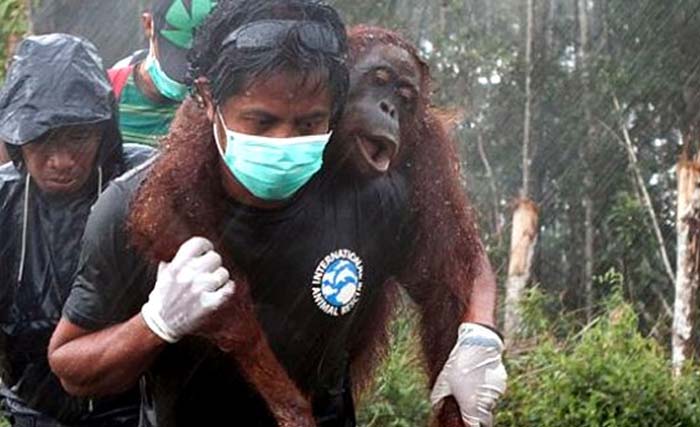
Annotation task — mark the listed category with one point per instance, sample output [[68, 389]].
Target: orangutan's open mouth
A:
[[378, 151]]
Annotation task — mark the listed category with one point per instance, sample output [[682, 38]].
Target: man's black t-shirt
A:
[[315, 268]]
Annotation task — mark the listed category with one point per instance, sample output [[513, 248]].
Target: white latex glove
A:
[[189, 288], [474, 374]]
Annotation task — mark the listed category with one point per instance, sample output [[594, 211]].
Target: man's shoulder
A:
[[126, 184], [130, 60], [112, 206], [137, 154]]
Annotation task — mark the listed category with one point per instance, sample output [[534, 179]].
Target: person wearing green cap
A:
[[150, 84]]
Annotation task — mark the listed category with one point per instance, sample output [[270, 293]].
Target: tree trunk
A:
[[525, 217], [687, 224], [527, 121], [587, 200], [522, 248], [496, 222], [588, 246], [442, 17], [549, 29], [645, 201]]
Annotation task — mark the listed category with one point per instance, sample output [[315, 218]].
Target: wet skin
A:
[[61, 160], [281, 106]]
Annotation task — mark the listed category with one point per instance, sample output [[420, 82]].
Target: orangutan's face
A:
[[381, 106]]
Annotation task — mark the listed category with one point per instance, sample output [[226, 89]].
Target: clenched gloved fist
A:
[[189, 288], [474, 374]]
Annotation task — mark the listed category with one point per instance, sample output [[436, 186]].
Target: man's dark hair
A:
[[316, 51]]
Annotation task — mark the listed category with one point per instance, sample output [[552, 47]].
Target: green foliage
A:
[[606, 375], [13, 22], [399, 397], [534, 311]]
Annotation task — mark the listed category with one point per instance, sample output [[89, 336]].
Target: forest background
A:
[[577, 124]]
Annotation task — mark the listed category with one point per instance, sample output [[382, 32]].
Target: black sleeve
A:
[[113, 281], [6, 259], [9, 226]]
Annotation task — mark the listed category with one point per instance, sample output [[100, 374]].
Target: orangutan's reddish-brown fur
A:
[[446, 247], [182, 198]]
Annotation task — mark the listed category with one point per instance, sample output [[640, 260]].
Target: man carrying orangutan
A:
[[315, 242]]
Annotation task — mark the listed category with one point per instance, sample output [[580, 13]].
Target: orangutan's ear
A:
[[204, 97]]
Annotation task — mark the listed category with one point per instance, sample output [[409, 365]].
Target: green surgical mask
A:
[[166, 86]]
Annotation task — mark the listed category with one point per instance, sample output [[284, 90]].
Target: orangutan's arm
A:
[[108, 361], [481, 306], [443, 307], [238, 333]]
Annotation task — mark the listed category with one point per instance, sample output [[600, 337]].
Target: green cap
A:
[[175, 22]]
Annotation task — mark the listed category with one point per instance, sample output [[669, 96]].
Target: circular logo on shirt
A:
[[337, 282]]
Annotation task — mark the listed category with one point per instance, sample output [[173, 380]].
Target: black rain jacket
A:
[[55, 80]]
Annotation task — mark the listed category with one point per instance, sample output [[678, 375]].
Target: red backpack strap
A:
[[118, 77]]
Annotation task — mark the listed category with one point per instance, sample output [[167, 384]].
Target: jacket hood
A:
[[57, 80]]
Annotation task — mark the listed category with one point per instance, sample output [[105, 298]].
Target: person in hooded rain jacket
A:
[[58, 122]]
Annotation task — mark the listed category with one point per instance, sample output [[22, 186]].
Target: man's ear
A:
[[204, 97], [147, 24]]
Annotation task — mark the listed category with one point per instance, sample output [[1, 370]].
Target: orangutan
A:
[[389, 130]]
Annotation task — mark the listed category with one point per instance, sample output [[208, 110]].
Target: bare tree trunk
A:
[[604, 31], [522, 247], [528, 101], [442, 17], [497, 228], [587, 200], [549, 29], [525, 216], [645, 201], [421, 30], [588, 250], [488, 14], [687, 224]]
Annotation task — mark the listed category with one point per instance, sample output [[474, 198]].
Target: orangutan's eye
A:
[[381, 77], [406, 93]]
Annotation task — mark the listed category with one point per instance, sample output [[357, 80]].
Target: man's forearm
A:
[[109, 361]]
